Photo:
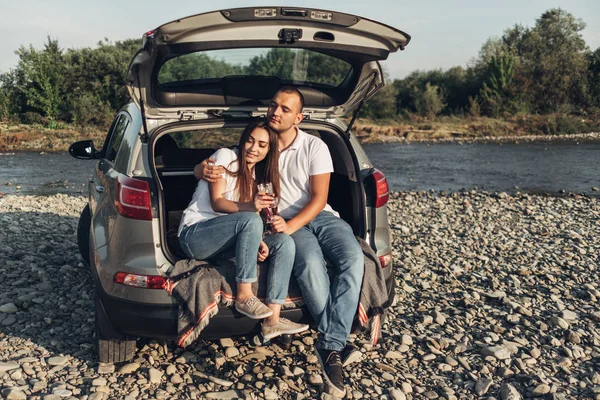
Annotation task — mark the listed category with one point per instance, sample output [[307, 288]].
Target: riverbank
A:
[[480, 129], [39, 138], [496, 297], [413, 130]]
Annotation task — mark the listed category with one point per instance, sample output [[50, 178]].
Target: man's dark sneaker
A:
[[350, 354], [331, 364]]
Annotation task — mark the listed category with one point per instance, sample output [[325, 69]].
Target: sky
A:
[[444, 33]]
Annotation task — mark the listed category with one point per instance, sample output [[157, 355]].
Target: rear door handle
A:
[[99, 189]]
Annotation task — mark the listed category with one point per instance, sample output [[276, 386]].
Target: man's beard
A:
[[278, 129]]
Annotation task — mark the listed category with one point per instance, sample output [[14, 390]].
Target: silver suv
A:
[[194, 84]]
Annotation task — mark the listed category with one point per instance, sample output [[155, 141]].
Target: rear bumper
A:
[[160, 321], [136, 319]]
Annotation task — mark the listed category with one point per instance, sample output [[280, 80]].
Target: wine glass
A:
[[267, 188]]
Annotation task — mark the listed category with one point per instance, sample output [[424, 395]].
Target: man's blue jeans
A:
[[243, 230], [332, 304]]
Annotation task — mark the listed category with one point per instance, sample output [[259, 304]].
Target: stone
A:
[[568, 315], [129, 368], [232, 352], [509, 392], [99, 382], [171, 369], [559, 322], [58, 360], [396, 394], [541, 390], [394, 355], [500, 352], [220, 381], [62, 392], [8, 366], [155, 375], [226, 342], [482, 386], [8, 308], [573, 337], [106, 368], [226, 395], [315, 379], [439, 318], [13, 394]]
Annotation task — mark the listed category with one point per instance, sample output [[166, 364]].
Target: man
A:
[[305, 167]]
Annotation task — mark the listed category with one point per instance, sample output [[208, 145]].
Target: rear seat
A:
[[184, 158]]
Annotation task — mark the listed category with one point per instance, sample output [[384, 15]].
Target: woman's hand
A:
[[278, 225], [263, 251], [262, 201]]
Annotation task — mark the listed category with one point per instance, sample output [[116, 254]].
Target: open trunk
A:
[[179, 147]]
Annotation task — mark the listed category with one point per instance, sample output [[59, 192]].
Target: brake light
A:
[[140, 281], [132, 198], [149, 34], [382, 190], [385, 260]]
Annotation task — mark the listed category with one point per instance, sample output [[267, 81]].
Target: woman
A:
[[225, 214]]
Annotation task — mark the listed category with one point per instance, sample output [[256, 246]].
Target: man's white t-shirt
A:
[[307, 156], [200, 208]]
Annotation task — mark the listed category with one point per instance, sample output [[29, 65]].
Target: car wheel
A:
[[111, 347], [83, 234]]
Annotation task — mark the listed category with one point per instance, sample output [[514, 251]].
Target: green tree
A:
[[42, 76], [593, 74], [495, 89], [431, 101], [383, 104], [196, 66], [299, 65], [553, 56], [99, 73]]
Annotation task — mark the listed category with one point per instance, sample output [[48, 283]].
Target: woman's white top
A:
[[200, 208]]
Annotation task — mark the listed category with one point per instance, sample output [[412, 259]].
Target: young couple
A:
[[224, 208]]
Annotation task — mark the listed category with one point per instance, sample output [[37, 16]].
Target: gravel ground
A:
[[497, 297]]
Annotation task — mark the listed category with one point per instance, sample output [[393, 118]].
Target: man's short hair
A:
[[292, 90]]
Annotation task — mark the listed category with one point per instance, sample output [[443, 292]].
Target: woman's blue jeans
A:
[[243, 230]]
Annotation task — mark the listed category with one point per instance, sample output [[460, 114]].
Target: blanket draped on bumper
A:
[[200, 287]]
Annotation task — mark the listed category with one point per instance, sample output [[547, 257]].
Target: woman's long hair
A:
[[266, 170]]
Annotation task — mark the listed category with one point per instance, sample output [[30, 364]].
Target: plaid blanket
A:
[[200, 288]]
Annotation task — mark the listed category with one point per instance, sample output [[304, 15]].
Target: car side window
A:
[[117, 137]]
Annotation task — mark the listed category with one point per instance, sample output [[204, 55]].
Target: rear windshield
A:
[[292, 66]]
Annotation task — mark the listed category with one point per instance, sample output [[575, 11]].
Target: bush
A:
[[32, 118], [474, 107], [88, 109]]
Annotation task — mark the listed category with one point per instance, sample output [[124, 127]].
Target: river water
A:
[[548, 167]]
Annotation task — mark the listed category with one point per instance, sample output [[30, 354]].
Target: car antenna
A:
[[143, 136], [362, 102]]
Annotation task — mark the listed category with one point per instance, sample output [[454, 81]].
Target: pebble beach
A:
[[497, 297]]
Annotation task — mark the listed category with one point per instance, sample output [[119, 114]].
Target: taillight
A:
[[132, 198], [140, 281], [382, 190], [386, 260]]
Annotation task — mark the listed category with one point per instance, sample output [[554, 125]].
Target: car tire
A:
[[83, 234], [111, 348]]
